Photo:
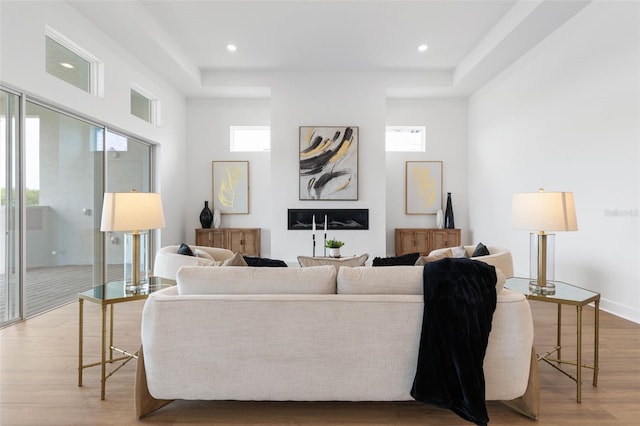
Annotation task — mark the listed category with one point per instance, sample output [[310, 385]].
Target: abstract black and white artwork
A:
[[328, 163]]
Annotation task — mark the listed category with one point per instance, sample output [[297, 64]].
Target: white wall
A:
[[445, 122], [327, 99], [566, 117], [22, 67], [208, 122]]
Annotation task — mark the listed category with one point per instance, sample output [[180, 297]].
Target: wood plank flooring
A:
[[38, 381], [50, 286]]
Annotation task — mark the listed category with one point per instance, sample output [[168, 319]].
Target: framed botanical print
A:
[[328, 163], [423, 187], [230, 182]]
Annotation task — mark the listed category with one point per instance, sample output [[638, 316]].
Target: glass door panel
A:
[[63, 181], [10, 307], [128, 166]]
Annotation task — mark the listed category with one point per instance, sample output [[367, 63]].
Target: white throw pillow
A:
[[339, 262], [459, 252], [203, 254]]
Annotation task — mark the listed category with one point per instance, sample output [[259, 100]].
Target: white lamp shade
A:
[[131, 211], [544, 211]]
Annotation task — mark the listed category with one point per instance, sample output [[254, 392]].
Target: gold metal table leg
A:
[[104, 351], [559, 332], [80, 340], [596, 347], [579, 353], [111, 334]]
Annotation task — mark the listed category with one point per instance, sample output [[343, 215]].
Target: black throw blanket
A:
[[459, 301]]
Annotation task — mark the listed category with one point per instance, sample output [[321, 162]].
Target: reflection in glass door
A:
[[128, 166], [63, 180], [10, 308]]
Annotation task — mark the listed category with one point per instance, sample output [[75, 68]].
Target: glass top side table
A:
[[566, 294], [107, 295]]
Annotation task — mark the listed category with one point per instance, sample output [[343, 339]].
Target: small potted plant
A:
[[334, 247]]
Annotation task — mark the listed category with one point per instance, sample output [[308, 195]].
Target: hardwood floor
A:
[[38, 381]]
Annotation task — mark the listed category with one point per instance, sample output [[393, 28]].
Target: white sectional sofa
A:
[[309, 334], [168, 261], [499, 257]]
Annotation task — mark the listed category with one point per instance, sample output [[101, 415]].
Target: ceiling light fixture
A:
[[423, 48], [66, 65], [232, 47]]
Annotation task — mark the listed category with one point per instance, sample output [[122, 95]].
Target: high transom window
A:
[[250, 138], [144, 106], [72, 64], [405, 138]]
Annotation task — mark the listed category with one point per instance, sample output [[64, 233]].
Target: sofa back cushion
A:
[[389, 280], [256, 280]]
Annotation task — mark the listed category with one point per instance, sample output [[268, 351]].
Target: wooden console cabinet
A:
[[424, 240], [245, 241]]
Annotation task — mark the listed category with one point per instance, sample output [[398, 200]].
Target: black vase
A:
[[206, 216], [448, 214]]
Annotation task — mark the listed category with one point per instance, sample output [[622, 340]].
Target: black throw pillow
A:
[[185, 249], [405, 259], [263, 261], [480, 250]]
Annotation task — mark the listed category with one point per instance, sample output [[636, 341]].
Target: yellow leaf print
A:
[[228, 186]]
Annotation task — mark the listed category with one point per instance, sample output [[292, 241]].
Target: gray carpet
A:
[[49, 287]]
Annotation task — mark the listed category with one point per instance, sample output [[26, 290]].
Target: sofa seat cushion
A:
[[256, 280], [399, 279]]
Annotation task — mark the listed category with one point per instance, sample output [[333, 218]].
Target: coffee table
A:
[[108, 295]]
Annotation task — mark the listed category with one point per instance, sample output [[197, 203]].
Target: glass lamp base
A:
[[548, 289], [141, 288]]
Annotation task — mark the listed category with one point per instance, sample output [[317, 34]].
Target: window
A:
[[69, 62], [250, 138], [144, 106], [405, 138], [115, 142]]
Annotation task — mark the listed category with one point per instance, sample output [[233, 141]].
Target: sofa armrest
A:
[[168, 261]]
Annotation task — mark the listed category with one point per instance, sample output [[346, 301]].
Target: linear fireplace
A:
[[337, 219]]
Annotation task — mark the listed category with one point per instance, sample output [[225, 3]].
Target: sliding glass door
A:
[[10, 308], [63, 171], [56, 169]]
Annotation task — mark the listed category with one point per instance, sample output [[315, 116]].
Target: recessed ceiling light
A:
[[423, 48], [66, 65], [232, 47]]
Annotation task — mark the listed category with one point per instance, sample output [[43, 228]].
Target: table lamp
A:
[[543, 211], [134, 212]]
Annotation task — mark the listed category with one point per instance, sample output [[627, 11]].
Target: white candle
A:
[[325, 223], [313, 224]]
